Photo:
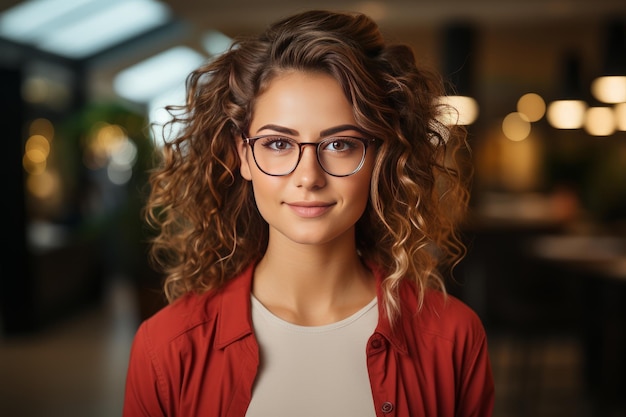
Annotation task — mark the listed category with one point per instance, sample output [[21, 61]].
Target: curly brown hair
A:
[[207, 223]]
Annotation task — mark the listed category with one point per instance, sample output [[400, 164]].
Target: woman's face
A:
[[307, 206]]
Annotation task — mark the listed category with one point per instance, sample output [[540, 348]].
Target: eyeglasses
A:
[[339, 156]]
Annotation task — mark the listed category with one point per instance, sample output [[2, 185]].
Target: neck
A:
[[313, 284]]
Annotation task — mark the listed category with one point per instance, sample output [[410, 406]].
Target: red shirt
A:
[[198, 357]]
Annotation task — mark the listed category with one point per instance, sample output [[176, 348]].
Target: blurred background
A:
[[541, 88]]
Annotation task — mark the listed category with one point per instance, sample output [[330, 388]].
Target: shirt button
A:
[[387, 407], [377, 343]]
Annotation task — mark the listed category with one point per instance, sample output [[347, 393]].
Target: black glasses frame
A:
[[318, 145]]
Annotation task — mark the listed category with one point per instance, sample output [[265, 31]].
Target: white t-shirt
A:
[[312, 371]]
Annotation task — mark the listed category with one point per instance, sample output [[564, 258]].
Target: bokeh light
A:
[[620, 116], [43, 127], [516, 126], [566, 114], [610, 89], [461, 110], [532, 105], [600, 121]]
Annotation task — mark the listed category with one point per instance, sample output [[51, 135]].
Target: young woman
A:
[[306, 220]]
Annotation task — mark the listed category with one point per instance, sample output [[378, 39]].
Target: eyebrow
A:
[[325, 132], [340, 128]]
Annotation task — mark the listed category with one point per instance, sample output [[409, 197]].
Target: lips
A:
[[310, 209]]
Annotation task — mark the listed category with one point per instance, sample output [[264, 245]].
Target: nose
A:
[[309, 173]]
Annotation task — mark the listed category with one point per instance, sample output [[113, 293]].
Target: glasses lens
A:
[[276, 155], [341, 156]]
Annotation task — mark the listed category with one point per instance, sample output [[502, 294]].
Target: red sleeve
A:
[[145, 383], [477, 393]]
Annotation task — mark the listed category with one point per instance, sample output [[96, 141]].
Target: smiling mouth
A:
[[309, 210]]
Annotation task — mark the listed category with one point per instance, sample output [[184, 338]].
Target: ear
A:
[[244, 152]]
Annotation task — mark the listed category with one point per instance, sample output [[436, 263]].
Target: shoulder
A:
[[447, 307], [181, 317], [217, 316], [441, 315], [446, 317]]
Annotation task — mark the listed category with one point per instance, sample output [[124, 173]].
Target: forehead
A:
[[303, 101]]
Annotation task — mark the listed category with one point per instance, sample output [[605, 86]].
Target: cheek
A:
[[360, 191], [264, 190]]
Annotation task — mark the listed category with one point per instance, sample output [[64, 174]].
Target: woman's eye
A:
[[338, 145], [278, 144], [341, 144]]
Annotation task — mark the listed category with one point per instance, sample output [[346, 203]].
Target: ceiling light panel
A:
[[80, 28], [150, 78]]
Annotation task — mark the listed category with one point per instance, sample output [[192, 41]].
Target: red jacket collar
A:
[[235, 317]]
